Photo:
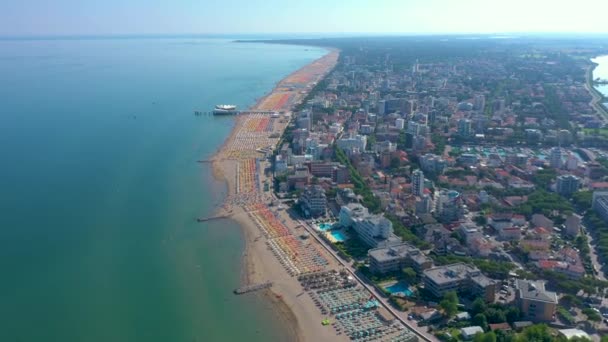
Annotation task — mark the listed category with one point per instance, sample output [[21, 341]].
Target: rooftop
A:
[[570, 333], [398, 252], [470, 331], [456, 272], [535, 290]]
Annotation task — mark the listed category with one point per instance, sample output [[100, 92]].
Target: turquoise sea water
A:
[[100, 189]]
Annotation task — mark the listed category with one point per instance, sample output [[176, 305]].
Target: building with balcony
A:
[[313, 201], [418, 183], [373, 230], [600, 203], [459, 277], [395, 258], [355, 143], [535, 303], [567, 185]]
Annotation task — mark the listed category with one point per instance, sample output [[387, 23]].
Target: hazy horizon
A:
[[315, 17], [319, 35]]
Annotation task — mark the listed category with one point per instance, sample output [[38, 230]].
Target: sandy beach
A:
[[311, 285], [235, 164]]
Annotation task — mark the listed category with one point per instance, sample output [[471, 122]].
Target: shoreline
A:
[[598, 98], [238, 151]]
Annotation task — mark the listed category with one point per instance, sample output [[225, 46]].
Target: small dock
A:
[[253, 288], [212, 218]]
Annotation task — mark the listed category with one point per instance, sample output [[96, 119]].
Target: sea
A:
[[601, 71], [100, 188]]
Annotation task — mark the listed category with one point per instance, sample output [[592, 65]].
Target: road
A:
[[402, 317], [596, 101], [399, 315], [597, 265]]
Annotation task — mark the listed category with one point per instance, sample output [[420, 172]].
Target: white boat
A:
[[224, 110]]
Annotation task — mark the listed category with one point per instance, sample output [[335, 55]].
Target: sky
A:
[[96, 17]]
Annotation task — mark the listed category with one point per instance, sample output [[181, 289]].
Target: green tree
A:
[[513, 314], [481, 320], [481, 220], [505, 336], [544, 202], [544, 177], [537, 333], [495, 315], [449, 304], [592, 315], [409, 274], [582, 199], [487, 337], [479, 306], [575, 339]]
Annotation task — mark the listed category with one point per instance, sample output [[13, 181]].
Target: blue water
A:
[[601, 71], [100, 189], [338, 235], [325, 226], [399, 287]]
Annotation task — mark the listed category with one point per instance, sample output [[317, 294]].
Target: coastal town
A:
[[304, 171], [426, 191]]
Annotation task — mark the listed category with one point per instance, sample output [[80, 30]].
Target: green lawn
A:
[[596, 131]]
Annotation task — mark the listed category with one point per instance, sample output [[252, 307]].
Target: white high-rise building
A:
[[464, 127], [400, 123], [358, 142], [600, 203], [418, 183], [555, 160], [313, 200], [448, 206], [416, 128], [567, 184], [572, 163], [479, 102], [424, 204], [374, 230]]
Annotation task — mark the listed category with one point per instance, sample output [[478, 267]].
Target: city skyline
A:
[[68, 17]]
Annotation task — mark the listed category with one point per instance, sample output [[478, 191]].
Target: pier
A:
[[212, 218], [238, 112], [253, 288]]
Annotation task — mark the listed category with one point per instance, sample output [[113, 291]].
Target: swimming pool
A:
[[325, 226], [399, 287], [338, 235]]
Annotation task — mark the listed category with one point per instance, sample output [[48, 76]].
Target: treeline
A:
[[370, 201], [406, 234], [543, 202], [555, 108], [600, 230], [537, 333], [583, 199], [403, 52], [373, 203]]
